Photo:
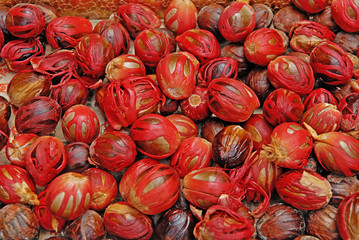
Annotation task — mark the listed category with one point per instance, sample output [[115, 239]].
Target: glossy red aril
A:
[[16, 186], [186, 126], [322, 117], [203, 187], [345, 14], [115, 33], [231, 100], [217, 68], [80, 124], [263, 45], [18, 53], [281, 106], [93, 52], [150, 187], [113, 151], [69, 195], [330, 62], [18, 146], [319, 95], [45, 159], [25, 21], [104, 188], [201, 43], [237, 21], [180, 16], [125, 66], [291, 73], [66, 31], [223, 223], [151, 46], [38, 115], [347, 218], [290, 146], [304, 189], [176, 75], [348, 106], [196, 107], [193, 153], [124, 221], [260, 130], [137, 17], [155, 136], [306, 35]]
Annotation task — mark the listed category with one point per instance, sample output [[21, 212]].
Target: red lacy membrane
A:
[[66, 32], [17, 147], [319, 95], [137, 17], [346, 14], [347, 217], [349, 108], [146, 180], [186, 126], [180, 16], [125, 66], [45, 159]]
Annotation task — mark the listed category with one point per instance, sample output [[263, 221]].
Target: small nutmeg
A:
[[264, 15], [285, 18], [280, 222], [342, 187]]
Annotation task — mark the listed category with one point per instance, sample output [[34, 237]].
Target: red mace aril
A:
[[331, 63], [217, 68], [263, 172], [222, 223], [231, 100], [195, 107], [290, 147], [104, 188], [150, 187], [232, 146], [155, 136], [77, 156], [60, 65], [80, 124], [201, 43], [204, 186], [311, 6], [18, 146], [148, 95], [69, 195], [306, 35], [113, 151], [347, 217], [349, 108], [193, 153], [176, 75], [45, 159], [18, 53], [66, 31], [180, 16], [337, 152], [291, 73], [124, 66], [237, 21], [263, 45], [319, 95], [137, 17], [46, 218], [119, 104], [124, 221], [16, 186], [27, 84], [151, 46], [322, 117], [260, 130], [345, 14], [25, 21], [115, 33], [70, 93], [351, 86], [93, 52], [186, 126], [304, 189], [236, 51], [38, 115], [5, 108], [281, 106]]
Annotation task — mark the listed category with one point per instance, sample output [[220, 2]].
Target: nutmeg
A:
[[342, 187], [257, 79], [237, 52], [286, 17], [264, 15]]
